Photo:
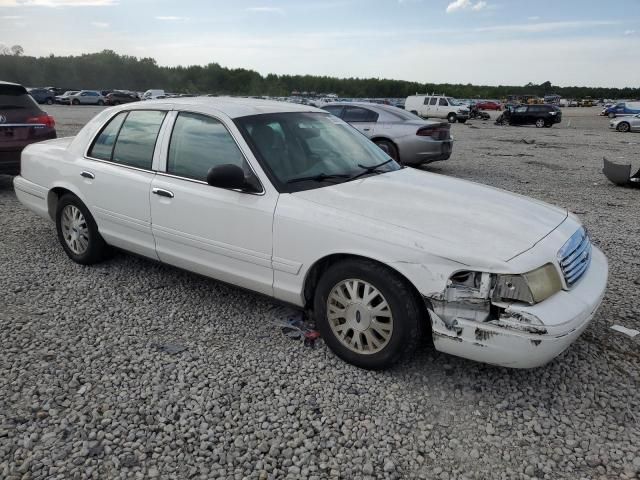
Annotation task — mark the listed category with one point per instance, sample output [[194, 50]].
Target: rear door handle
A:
[[86, 174], [162, 192]]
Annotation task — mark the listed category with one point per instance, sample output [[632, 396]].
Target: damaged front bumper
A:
[[525, 336]]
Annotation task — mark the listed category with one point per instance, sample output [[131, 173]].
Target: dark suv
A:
[[21, 123], [538, 115], [117, 97], [43, 95]]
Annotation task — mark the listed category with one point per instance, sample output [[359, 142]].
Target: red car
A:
[[21, 122], [489, 106]]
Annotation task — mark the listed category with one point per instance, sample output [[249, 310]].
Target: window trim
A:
[[107, 122], [165, 159]]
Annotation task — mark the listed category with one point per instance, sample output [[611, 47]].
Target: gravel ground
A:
[[91, 388]]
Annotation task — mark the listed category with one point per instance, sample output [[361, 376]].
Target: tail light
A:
[[43, 119], [437, 132]]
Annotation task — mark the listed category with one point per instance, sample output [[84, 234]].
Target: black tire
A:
[[404, 306], [623, 127], [462, 120], [116, 102], [393, 151], [540, 122], [100, 102], [97, 247], [452, 118], [548, 125], [611, 115], [76, 102], [49, 101]]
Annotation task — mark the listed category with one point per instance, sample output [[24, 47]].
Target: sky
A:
[[488, 42]]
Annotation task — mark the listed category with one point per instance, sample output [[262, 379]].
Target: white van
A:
[[152, 94], [437, 106]]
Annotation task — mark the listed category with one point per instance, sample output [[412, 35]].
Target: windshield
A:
[[307, 150]]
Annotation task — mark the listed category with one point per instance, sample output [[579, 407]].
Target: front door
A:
[[224, 234]]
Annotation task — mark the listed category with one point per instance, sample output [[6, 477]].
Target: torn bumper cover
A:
[[518, 335], [621, 174]]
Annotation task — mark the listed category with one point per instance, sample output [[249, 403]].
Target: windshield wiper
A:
[[371, 169], [320, 177]]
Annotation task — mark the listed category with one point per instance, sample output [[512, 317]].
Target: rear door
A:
[[519, 115], [361, 118], [116, 172]]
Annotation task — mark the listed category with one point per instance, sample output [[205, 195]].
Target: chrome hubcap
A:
[[359, 316], [75, 230]]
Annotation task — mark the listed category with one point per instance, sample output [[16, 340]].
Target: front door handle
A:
[[86, 174], [162, 192]]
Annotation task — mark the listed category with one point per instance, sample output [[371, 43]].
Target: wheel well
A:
[[322, 265], [385, 139], [52, 200]]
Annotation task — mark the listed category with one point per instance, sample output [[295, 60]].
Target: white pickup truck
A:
[[437, 106]]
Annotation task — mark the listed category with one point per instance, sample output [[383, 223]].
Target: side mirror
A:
[[226, 176]]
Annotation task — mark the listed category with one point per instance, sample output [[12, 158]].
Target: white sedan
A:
[[292, 202]]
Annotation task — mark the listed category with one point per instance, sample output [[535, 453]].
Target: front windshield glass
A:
[[308, 150]]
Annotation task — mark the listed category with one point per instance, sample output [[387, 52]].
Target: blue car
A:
[[623, 109]]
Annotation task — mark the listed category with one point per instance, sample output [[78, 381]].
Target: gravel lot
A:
[[87, 391]]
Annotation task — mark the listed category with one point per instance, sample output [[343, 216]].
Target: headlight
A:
[[531, 287]]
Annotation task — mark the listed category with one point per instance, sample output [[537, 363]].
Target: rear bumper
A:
[[10, 162], [563, 318], [32, 196], [426, 151]]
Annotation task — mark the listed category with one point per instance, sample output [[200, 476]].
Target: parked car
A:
[[153, 94], [65, 98], [489, 105], [623, 109], [630, 123], [437, 106], [407, 138], [538, 115], [87, 97], [118, 97], [309, 211], [22, 122], [42, 95]]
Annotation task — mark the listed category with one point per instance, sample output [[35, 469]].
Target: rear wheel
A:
[[452, 117], [612, 115], [100, 102], [49, 101], [77, 231], [540, 122], [623, 127], [367, 314], [390, 148], [76, 102]]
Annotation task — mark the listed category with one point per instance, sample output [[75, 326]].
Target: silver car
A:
[[630, 123], [404, 136], [87, 97]]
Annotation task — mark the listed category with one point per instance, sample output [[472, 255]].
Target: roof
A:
[[233, 107], [10, 83]]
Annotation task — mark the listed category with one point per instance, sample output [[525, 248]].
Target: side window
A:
[[137, 138], [358, 114], [103, 146], [426, 100], [433, 101], [443, 102], [521, 109], [334, 110], [199, 143]]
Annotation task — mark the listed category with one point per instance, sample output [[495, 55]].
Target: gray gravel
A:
[[132, 369]]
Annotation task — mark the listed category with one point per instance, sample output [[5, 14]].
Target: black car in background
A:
[[43, 95], [21, 122], [538, 115], [118, 97]]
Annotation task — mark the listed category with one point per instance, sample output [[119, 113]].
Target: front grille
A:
[[575, 256]]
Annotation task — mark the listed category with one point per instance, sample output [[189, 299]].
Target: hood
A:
[[449, 214]]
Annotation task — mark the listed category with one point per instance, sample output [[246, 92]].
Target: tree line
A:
[[109, 70]]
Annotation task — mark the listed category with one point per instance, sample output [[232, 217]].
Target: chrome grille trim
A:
[[575, 256]]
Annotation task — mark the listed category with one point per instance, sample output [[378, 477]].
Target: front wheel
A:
[[49, 101], [452, 117], [100, 102], [77, 231], [540, 123], [612, 115], [76, 102], [623, 127], [367, 314]]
